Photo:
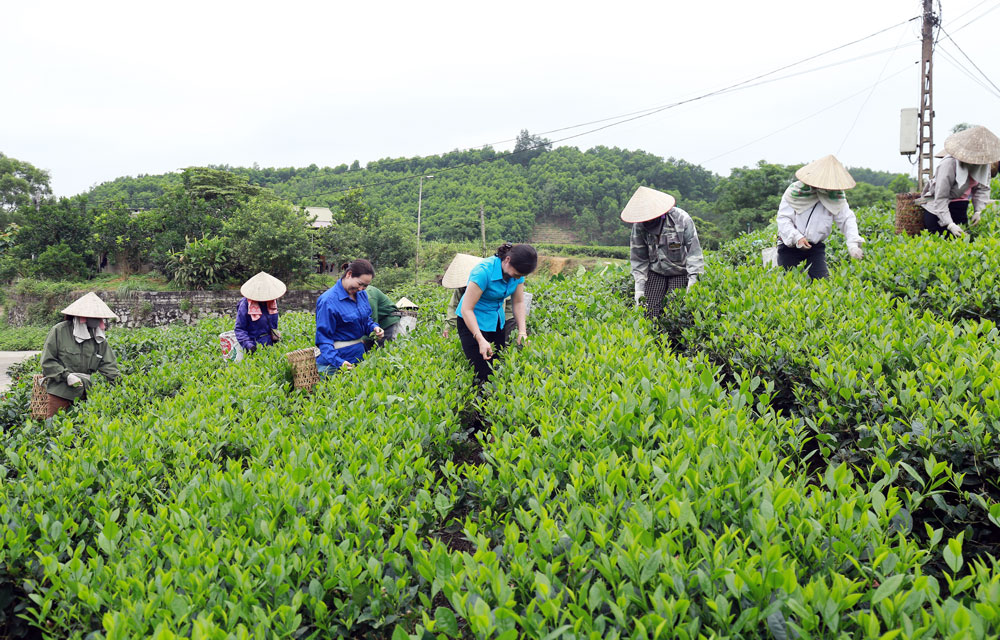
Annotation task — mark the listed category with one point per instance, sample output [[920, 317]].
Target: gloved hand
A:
[[73, 380], [802, 243], [975, 217], [692, 280], [854, 249], [955, 230]]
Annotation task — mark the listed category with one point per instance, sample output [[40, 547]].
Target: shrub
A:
[[58, 261], [202, 263]]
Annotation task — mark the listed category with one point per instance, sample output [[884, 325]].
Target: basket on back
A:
[[304, 371], [909, 214]]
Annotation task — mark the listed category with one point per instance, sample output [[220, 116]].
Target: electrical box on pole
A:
[[908, 131]]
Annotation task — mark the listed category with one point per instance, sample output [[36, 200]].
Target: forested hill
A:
[[584, 190]]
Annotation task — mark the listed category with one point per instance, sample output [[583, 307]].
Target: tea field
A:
[[775, 458]]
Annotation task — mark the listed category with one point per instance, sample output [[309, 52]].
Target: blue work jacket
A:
[[340, 319]]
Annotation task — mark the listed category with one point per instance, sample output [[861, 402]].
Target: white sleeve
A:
[[848, 224], [786, 224]]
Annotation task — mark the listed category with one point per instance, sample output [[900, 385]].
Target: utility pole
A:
[[482, 227], [925, 155], [416, 258]]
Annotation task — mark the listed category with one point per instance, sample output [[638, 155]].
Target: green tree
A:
[[748, 199], [340, 242], [21, 184], [902, 184], [121, 236], [224, 189], [528, 147], [866, 195], [58, 261], [268, 234], [66, 221], [354, 210], [392, 244]]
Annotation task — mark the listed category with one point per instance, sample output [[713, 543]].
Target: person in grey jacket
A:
[[808, 210], [664, 250], [962, 176]]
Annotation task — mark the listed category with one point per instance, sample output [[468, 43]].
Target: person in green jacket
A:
[[75, 349], [385, 314]]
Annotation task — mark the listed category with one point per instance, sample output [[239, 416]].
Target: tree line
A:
[[204, 223]]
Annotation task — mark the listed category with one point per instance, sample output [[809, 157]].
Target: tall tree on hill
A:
[[528, 147], [21, 184]]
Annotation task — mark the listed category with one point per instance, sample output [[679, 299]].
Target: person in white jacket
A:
[[962, 177], [809, 208]]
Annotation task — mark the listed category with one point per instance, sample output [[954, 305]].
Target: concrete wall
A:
[[152, 308]]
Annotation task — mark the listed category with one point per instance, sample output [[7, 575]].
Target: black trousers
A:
[[470, 347], [959, 210], [815, 257], [657, 286]]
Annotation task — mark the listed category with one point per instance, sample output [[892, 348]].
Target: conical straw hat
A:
[[406, 303], [646, 204], [263, 287], [89, 306], [826, 173], [457, 274], [977, 145]]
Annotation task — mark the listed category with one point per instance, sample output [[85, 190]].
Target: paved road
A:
[[8, 358]]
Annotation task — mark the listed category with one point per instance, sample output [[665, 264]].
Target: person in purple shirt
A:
[[257, 312], [343, 319]]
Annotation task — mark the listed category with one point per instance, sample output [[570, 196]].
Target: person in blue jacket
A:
[[343, 319], [257, 312], [480, 312]]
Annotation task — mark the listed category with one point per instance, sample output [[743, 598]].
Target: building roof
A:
[[321, 216]]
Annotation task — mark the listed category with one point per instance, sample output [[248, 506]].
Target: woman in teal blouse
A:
[[480, 312]]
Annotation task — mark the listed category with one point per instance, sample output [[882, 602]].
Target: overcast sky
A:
[[98, 90]]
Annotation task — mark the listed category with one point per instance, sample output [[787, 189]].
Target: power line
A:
[[633, 116], [976, 66], [979, 17], [870, 93], [617, 120], [797, 122], [731, 87], [951, 59], [967, 11]]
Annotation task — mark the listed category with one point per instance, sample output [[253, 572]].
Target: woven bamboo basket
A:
[[909, 214], [304, 371], [39, 397]]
